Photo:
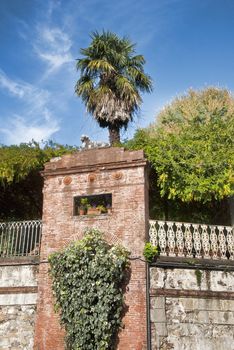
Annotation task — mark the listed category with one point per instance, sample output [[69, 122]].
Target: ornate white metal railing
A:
[[192, 240], [20, 238]]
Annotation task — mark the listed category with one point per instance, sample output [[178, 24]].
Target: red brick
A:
[[126, 225]]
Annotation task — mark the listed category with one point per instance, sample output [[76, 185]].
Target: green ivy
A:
[[150, 252], [87, 280]]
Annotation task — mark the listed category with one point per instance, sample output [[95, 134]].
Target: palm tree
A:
[[111, 79]]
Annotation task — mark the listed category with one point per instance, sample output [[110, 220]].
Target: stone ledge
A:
[[90, 217], [194, 263], [23, 260], [191, 293], [18, 290]]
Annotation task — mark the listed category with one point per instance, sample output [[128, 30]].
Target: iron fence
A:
[[20, 238]]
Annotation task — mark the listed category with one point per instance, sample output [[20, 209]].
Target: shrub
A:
[[150, 252]]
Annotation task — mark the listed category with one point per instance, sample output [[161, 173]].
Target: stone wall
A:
[[18, 297], [91, 172], [191, 302], [192, 309]]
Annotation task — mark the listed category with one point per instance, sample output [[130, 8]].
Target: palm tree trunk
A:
[[114, 135]]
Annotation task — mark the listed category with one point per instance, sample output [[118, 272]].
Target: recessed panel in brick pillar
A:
[[94, 172]]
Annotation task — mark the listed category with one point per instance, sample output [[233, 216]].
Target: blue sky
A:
[[186, 43]]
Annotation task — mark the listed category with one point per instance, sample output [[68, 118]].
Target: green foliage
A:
[[102, 209], [84, 203], [20, 180], [87, 279], [150, 252], [198, 275], [111, 79], [191, 147], [16, 162]]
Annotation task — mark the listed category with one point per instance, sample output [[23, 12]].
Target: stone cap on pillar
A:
[[94, 159]]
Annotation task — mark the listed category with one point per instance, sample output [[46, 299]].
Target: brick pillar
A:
[[107, 170]]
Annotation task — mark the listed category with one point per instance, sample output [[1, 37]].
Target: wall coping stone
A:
[[93, 160], [194, 263], [24, 260]]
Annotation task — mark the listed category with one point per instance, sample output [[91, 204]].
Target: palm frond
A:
[[82, 64], [137, 61], [84, 86], [100, 65], [125, 88], [144, 82]]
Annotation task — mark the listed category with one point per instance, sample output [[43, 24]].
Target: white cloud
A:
[[24, 90], [53, 47], [11, 86], [20, 130], [35, 119], [31, 114]]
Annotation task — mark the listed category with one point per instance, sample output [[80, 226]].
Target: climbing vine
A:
[[87, 279]]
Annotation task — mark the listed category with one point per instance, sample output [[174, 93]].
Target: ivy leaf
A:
[[88, 291]]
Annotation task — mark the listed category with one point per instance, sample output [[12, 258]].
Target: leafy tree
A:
[[191, 147], [111, 79], [16, 162], [197, 107], [20, 180], [22, 200]]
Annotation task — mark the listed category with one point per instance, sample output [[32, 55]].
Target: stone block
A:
[[18, 299], [158, 316], [161, 329], [18, 276], [158, 302]]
